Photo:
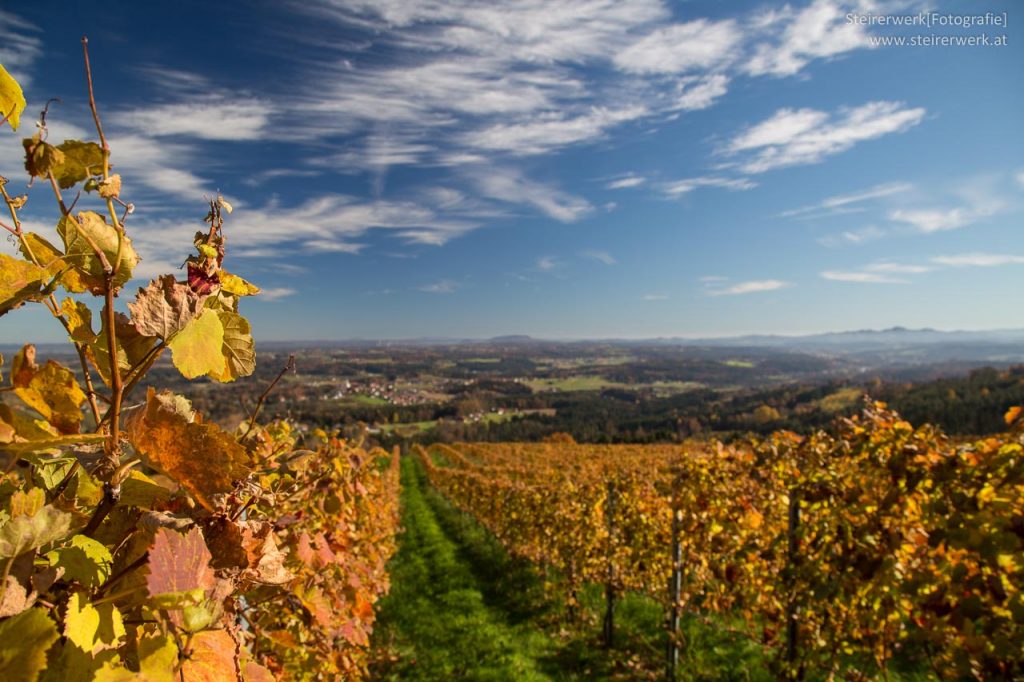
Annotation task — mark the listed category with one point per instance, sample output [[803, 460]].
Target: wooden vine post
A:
[[675, 586], [608, 632], [792, 609]]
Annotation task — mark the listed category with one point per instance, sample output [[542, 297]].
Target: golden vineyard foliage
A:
[[138, 542], [906, 541]]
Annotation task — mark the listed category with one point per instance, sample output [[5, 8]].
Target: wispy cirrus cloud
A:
[[217, 117], [626, 181], [20, 46], [748, 287], [444, 286], [547, 264], [819, 30], [680, 187], [861, 277], [599, 256], [842, 201], [978, 260], [275, 293], [793, 137], [862, 235], [511, 186], [679, 48]]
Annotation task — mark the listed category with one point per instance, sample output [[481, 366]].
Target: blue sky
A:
[[581, 168]]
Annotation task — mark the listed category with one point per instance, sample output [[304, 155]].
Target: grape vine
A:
[[136, 540]]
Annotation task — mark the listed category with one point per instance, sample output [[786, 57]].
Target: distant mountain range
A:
[[897, 345]]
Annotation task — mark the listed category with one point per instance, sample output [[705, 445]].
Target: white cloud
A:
[[694, 94], [549, 131], [863, 235], [750, 287], [978, 260], [817, 31], [861, 277], [879, 272], [831, 204], [1020, 179], [629, 180], [655, 297], [678, 48], [599, 256], [212, 118], [275, 293], [805, 136], [783, 128], [546, 264], [326, 224], [680, 187], [20, 47], [933, 220], [160, 166], [510, 186], [444, 286], [900, 268]]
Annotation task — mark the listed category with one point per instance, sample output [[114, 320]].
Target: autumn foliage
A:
[[907, 543], [138, 542]]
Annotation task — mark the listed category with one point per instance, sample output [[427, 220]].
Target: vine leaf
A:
[[93, 627], [132, 347], [83, 559], [239, 349], [213, 658], [80, 161], [233, 284], [52, 390], [169, 437], [50, 257], [88, 229], [40, 156], [79, 318], [12, 99], [198, 348], [23, 533], [179, 563], [164, 308], [24, 641], [20, 282]]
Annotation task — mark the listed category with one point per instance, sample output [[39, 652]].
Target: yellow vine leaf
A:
[[24, 641], [239, 349], [202, 458], [80, 161], [132, 347], [91, 230], [158, 657], [20, 282], [93, 627], [198, 348], [12, 99], [79, 318], [23, 533], [51, 390], [51, 258], [233, 284]]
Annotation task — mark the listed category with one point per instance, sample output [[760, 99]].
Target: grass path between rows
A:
[[459, 609]]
